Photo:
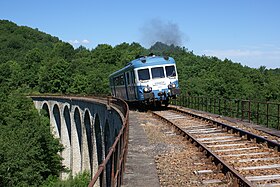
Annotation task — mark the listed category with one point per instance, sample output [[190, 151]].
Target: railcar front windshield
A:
[[170, 71], [143, 74], [157, 72]]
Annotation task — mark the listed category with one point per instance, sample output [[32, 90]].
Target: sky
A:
[[244, 31]]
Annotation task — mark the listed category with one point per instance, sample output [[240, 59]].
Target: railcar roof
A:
[[151, 60], [144, 62]]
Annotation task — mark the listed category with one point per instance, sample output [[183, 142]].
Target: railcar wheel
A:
[[166, 104], [157, 104]]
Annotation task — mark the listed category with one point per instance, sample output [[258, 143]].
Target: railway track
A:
[[243, 157]]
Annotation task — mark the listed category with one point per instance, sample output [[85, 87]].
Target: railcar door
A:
[[133, 86], [130, 86], [113, 86], [127, 86]]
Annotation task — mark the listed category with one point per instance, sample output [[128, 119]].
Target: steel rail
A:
[[238, 180], [240, 132]]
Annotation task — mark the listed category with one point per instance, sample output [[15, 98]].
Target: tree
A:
[[104, 53], [28, 152], [54, 77], [63, 50], [30, 67]]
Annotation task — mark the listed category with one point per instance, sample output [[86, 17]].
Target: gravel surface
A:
[[178, 161], [234, 147]]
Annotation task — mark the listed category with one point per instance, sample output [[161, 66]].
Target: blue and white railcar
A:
[[151, 79]]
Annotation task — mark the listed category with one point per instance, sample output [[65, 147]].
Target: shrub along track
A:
[[245, 159]]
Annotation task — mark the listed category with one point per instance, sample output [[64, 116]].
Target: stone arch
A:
[[98, 139], [87, 142], [78, 125], [99, 144], [67, 118], [92, 146], [107, 145], [66, 141], [57, 120], [45, 110], [76, 141], [117, 151], [107, 137]]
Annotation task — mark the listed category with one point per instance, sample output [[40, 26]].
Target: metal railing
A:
[[114, 162], [262, 113]]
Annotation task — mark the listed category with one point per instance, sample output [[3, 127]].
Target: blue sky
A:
[[245, 31]]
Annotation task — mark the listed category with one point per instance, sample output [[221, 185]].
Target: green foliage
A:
[[80, 180], [35, 62], [63, 50], [54, 76], [16, 41], [28, 152]]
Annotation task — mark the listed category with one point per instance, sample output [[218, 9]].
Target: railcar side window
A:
[[133, 77], [170, 71], [143, 74], [116, 81], [127, 78], [121, 80], [157, 72]]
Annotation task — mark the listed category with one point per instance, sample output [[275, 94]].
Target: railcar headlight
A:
[[147, 89], [171, 85]]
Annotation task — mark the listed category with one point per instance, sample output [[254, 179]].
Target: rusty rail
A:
[[238, 180], [114, 162], [234, 130], [262, 113]]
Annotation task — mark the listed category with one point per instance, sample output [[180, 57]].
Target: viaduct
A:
[[87, 129]]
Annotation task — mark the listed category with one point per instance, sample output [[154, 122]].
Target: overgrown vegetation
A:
[[80, 180], [35, 62]]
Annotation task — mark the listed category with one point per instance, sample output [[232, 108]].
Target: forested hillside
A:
[[34, 62]]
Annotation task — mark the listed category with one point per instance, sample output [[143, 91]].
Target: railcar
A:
[[148, 80]]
